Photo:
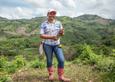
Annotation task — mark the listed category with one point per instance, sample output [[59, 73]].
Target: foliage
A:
[[37, 63], [11, 66], [3, 62], [101, 62], [19, 61], [5, 78]]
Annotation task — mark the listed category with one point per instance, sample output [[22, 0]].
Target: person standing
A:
[[51, 30]]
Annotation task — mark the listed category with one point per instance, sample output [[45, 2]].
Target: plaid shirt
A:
[[51, 29]]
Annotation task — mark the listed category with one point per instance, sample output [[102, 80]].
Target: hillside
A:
[[88, 45], [32, 24], [93, 26]]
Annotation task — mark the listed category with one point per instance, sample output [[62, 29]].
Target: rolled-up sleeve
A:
[[61, 26], [42, 29]]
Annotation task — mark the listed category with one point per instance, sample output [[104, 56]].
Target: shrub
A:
[[101, 62], [5, 79], [88, 55], [37, 63], [19, 61], [105, 64], [10, 68], [3, 63], [109, 76]]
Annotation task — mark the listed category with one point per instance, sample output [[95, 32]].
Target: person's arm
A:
[[42, 33], [44, 36], [61, 32]]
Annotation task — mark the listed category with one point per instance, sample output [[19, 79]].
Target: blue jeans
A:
[[49, 50]]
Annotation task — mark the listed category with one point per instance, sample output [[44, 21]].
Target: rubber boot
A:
[[51, 72], [61, 75]]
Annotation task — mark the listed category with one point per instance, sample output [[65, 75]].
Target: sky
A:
[[18, 9]]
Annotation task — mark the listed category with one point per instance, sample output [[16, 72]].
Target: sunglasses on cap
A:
[[52, 13]]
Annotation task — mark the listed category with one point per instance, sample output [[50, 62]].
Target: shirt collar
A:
[[52, 22]]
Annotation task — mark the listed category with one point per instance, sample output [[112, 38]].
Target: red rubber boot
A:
[[61, 75], [51, 72]]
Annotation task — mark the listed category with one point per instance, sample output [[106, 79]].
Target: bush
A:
[[105, 64], [88, 55], [10, 68], [19, 61], [37, 63], [109, 76], [5, 79], [3, 63], [101, 62]]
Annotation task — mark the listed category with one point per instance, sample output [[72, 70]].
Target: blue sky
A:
[[17, 9]]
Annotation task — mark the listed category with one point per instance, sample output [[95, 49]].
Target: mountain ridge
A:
[[81, 17]]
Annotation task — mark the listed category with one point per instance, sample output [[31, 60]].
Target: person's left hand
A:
[[61, 32]]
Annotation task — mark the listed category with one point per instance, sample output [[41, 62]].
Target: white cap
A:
[[51, 10]]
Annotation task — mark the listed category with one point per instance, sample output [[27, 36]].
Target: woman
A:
[[51, 30]]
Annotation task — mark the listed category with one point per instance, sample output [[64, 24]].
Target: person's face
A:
[[52, 15]]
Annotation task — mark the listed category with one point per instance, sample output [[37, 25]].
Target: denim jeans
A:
[[49, 50]]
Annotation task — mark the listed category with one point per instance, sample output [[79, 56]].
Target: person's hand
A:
[[61, 32]]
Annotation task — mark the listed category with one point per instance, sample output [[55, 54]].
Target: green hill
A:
[[88, 45]]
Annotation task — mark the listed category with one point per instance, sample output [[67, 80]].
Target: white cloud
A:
[[104, 8], [16, 13], [55, 4], [23, 12], [72, 8], [69, 4], [38, 3], [64, 7]]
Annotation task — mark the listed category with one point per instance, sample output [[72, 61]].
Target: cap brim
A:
[[52, 13]]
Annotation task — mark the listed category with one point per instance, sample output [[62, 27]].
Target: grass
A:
[[77, 73], [20, 70]]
